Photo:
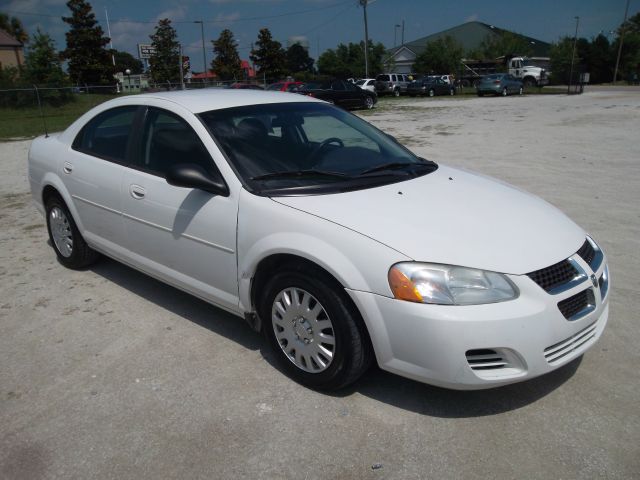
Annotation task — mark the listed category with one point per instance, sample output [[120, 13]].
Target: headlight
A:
[[448, 284]]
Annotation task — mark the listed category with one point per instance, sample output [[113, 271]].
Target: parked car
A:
[[499, 84], [310, 223], [339, 92], [367, 84], [431, 86], [392, 84], [245, 86], [285, 86]]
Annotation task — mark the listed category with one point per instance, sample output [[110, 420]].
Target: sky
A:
[[324, 22]]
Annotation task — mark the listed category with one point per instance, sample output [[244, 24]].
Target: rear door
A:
[[93, 171], [185, 236]]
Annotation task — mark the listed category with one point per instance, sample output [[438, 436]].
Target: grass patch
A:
[[26, 122]]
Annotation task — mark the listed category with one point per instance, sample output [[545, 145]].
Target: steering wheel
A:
[[324, 143]]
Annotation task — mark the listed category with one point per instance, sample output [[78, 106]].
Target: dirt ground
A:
[[107, 373]]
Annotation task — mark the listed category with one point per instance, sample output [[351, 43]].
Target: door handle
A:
[[67, 168], [137, 192]]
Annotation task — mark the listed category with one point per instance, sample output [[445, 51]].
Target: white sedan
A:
[[326, 234]]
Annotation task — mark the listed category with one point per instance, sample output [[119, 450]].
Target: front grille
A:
[[587, 252], [554, 276], [575, 304], [485, 359], [560, 350]]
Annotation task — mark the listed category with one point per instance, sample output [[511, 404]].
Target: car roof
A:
[[203, 100]]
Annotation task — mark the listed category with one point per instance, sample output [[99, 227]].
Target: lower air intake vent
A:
[[485, 359], [577, 305], [556, 352]]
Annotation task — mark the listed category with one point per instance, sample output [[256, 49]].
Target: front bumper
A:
[[457, 346]]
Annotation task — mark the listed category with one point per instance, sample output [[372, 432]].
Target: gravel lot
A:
[[107, 373]]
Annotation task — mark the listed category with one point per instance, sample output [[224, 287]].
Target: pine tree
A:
[[226, 62], [164, 64], [298, 59], [89, 61], [268, 56]]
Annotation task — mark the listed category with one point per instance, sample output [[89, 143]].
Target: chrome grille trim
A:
[[556, 352]]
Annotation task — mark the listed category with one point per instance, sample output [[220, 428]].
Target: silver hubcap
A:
[[303, 330], [61, 231], [369, 102]]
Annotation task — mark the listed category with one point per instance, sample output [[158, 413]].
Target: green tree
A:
[[88, 60], [125, 60], [348, 60], [44, 68], [269, 56], [13, 26], [226, 61], [630, 55], [298, 59], [163, 65], [440, 56], [600, 60], [560, 59]]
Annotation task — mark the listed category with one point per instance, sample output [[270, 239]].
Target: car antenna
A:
[[44, 123]]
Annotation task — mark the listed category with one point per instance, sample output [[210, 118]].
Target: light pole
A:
[[363, 3], [615, 71], [573, 54], [395, 34], [128, 73], [204, 51]]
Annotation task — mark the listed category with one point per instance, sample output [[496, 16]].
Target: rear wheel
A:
[[520, 91], [396, 92], [314, 331], [432, 92], [504, 92], [368, 102], [71, 249]]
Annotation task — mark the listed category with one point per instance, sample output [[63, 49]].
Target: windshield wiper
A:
[[394, 166], [300, 174]]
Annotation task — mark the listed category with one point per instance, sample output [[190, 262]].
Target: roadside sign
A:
[[146, 50]]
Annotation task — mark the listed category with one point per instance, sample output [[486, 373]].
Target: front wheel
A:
[[71, 249], [315, 333]]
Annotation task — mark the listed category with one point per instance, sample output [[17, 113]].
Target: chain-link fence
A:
[[31, 111]]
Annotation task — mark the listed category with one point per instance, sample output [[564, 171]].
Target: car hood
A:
[[454, 217]]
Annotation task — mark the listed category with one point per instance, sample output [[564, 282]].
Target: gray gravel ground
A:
[[107, 373]]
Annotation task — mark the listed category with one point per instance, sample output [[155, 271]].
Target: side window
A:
[[394, 78], [351, 87], [337, 85], [166, 140], [107, 134]]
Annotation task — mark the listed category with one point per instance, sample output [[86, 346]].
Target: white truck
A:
[[532, 71]]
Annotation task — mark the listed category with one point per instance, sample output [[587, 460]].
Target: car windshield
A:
[[493, 77], [315, 85], [307, 145]]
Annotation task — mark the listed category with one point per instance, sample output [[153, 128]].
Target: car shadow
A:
[[375, 384]]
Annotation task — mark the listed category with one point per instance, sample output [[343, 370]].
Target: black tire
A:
[[432, 93], [396, 92], [505, 92], [352, 353], [81, 255], [369, 102]]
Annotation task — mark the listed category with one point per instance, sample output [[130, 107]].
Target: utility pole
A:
[[204, 51], [395, 34], [402, 43], [622, 28], [363, 3], [181, 61], [573, 54], [113, 58]]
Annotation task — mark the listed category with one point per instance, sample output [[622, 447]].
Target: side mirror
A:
[[392, 137], [191, 175]]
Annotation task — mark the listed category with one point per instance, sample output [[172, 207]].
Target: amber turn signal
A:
[[402, 287]]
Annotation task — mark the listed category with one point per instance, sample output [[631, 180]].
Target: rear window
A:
[[382, 78]]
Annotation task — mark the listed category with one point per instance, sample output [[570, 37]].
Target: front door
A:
[[185, 236]]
